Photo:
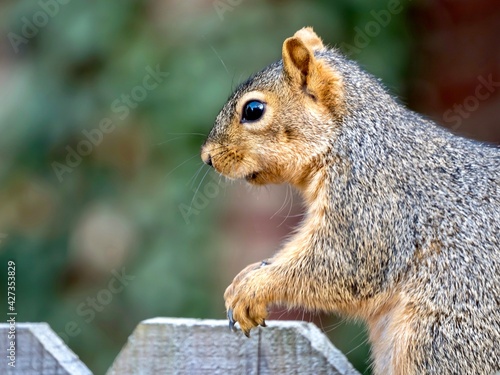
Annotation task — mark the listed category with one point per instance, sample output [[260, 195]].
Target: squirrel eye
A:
[[253, 111]]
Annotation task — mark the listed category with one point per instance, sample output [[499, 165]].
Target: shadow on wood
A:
[[190, 346]]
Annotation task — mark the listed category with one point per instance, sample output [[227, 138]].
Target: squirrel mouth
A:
[[251, 177]]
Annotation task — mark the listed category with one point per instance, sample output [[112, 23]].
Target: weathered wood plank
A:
[[190, 346], [38, 351]]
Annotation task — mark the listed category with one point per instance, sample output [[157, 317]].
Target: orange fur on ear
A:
[[306, 72], [296, 59], [298, 52], [309, 38]]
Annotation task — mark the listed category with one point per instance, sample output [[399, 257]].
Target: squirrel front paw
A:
[[245, 301]]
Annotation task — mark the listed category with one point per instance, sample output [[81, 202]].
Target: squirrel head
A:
[[275, 127]]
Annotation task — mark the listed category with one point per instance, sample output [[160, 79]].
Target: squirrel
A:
[[402, 222]]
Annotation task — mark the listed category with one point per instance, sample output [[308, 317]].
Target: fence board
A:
[[190, 346], [184, 346], [39, 351]]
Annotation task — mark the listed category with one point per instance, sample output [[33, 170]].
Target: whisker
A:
[[239, 79], [193, 178], [291, 205], [200, 134], [232, 88], [181, 164], [357, 346], [218, 56], [219, 153], [170, 140], [320, 321], [282, 206], [225, 185], [298, 215], [197, 189], [333, 327], [282, 312], [181, 135]]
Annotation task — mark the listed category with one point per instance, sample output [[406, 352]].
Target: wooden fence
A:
[[184, 346]]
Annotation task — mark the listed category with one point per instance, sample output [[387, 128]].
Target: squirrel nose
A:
[[205, 156]]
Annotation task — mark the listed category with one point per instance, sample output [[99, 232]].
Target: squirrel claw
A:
[[247, 333], [231, 320], [263, 324]]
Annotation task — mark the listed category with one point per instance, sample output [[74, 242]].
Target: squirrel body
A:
[[402, 228]]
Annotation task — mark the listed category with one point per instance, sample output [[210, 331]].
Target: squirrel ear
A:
[[296, 59], [313, 76], [298, 53], [309, 38]]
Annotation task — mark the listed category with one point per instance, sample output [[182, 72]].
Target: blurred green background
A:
[[74, 214]]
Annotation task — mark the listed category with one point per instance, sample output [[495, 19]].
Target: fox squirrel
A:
[[402, 228]]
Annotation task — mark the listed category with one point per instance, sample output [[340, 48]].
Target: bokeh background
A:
[[132, 226]]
